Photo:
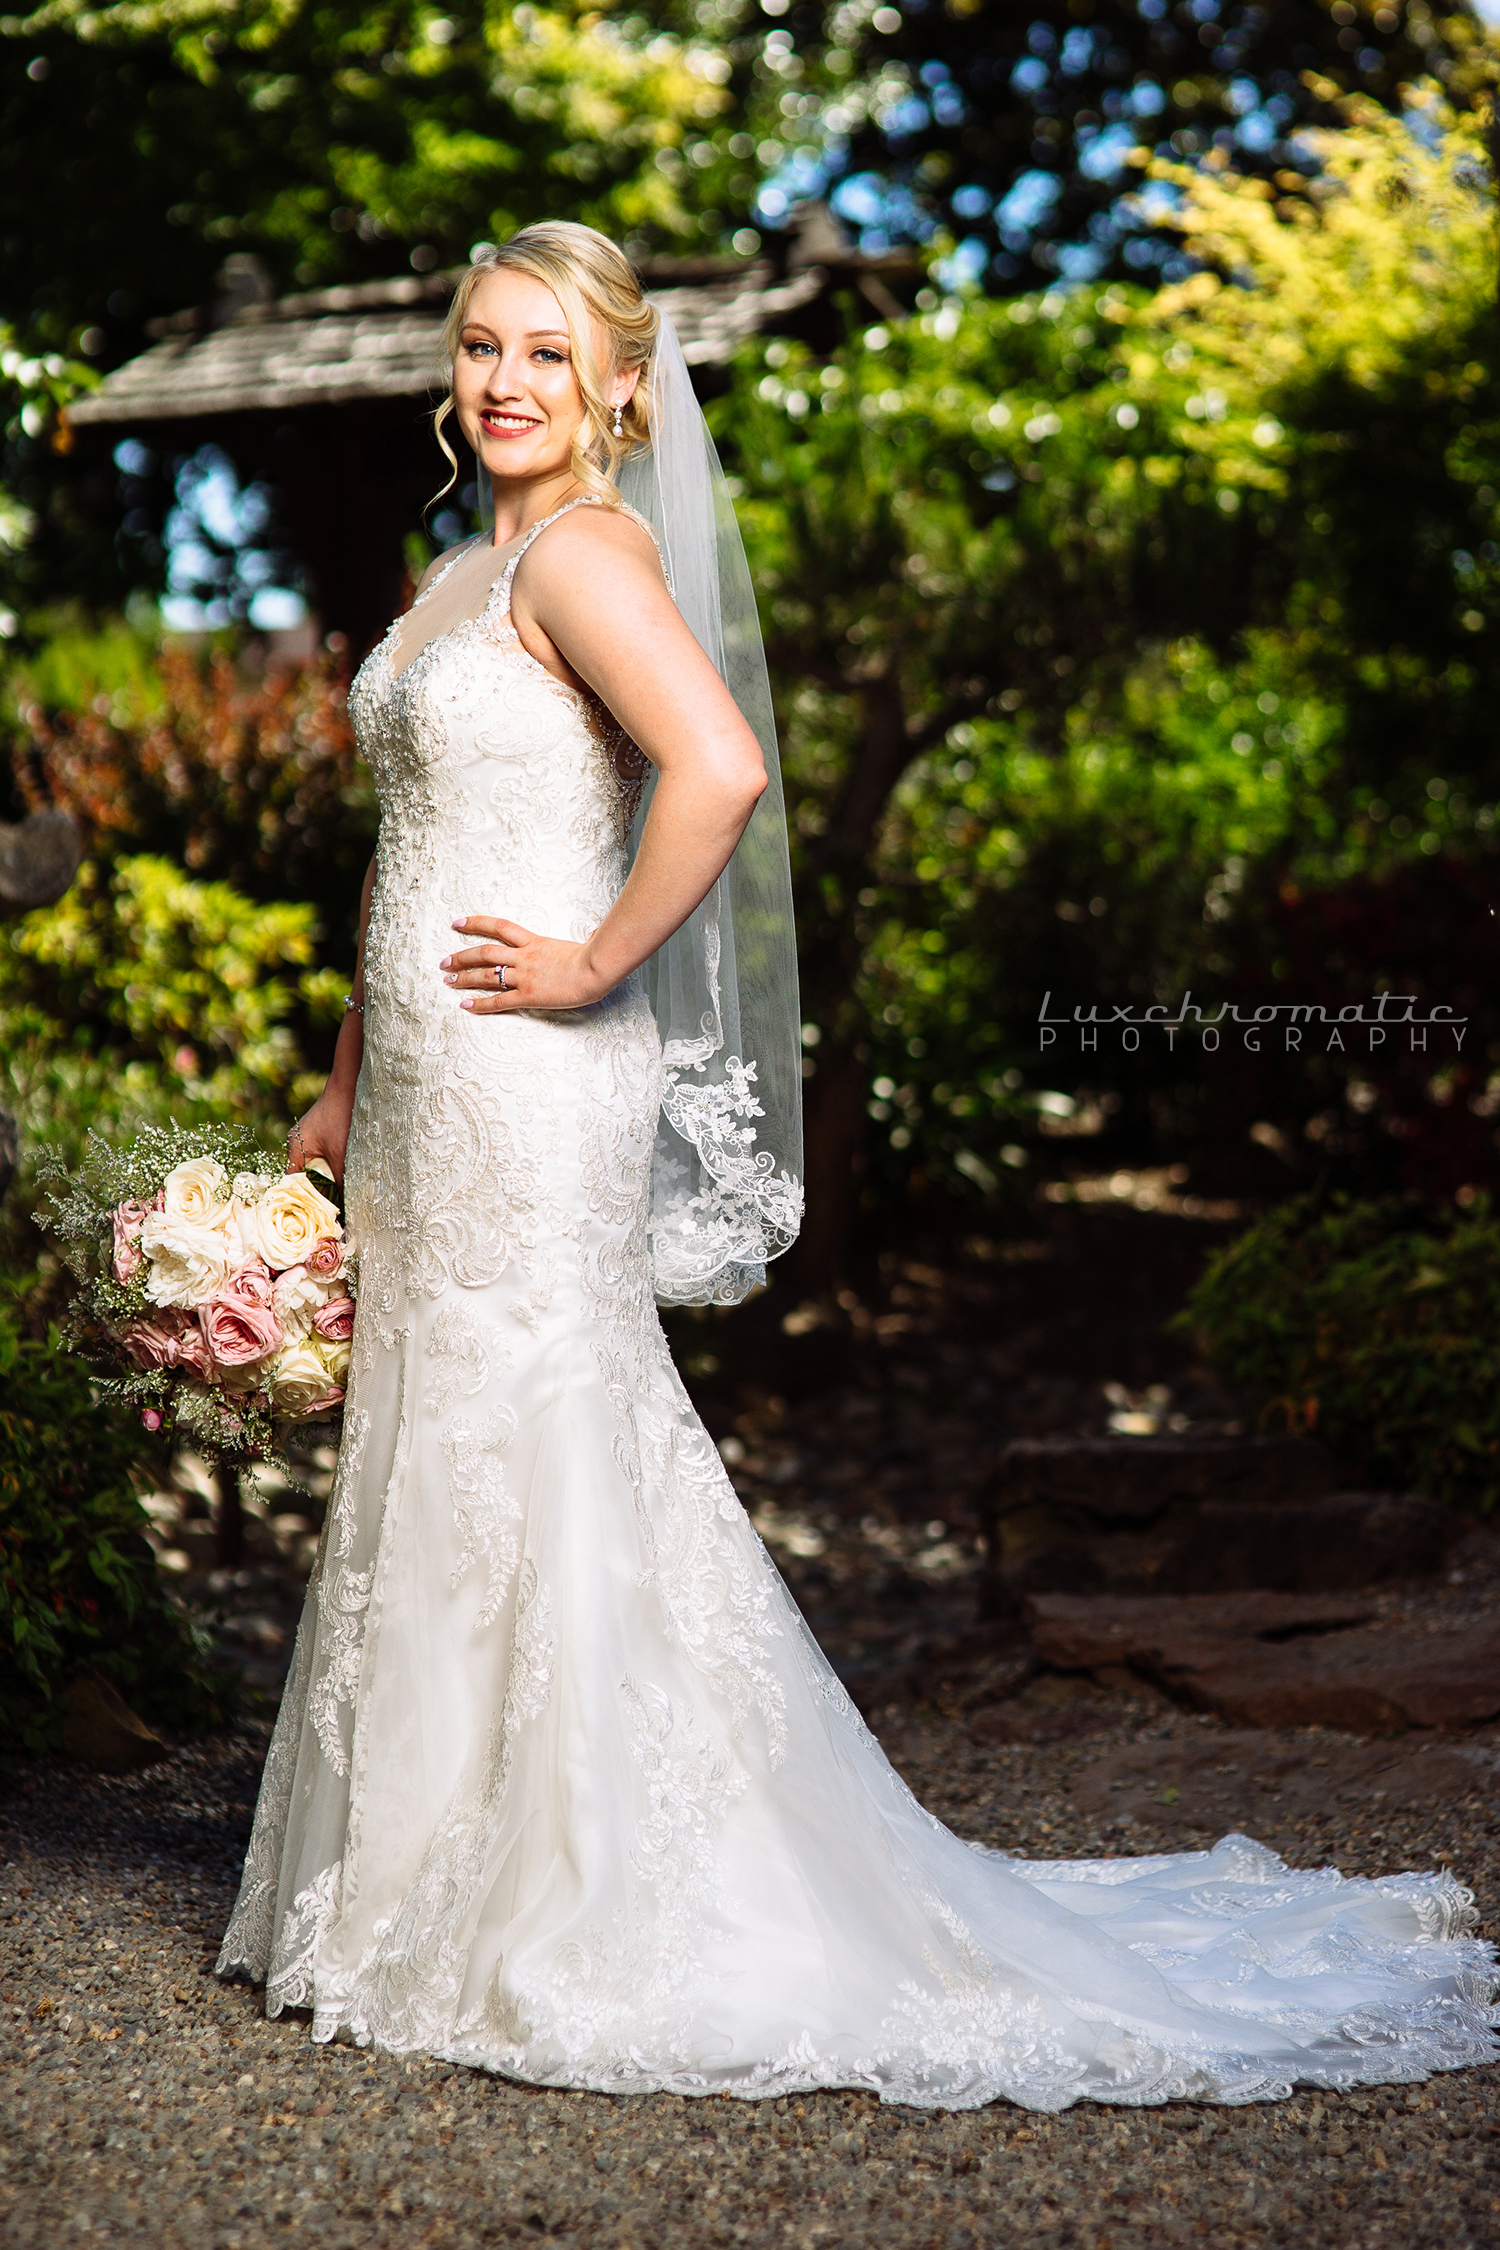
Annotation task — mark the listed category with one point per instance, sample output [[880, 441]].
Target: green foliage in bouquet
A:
[[1372, 1329], [79, 1588]]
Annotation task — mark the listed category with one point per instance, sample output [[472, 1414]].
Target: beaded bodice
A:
[[493, 774]]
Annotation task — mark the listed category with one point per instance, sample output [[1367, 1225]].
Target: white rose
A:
[[297, 1295], [289, 1219], [197, 1191], [335, 1357], [297, 1379], [188, 1264], [237, 1231]]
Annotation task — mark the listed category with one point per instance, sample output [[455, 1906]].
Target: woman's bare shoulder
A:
[[607, 539]]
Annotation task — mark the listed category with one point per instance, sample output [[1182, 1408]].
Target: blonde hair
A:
[[593, 281]]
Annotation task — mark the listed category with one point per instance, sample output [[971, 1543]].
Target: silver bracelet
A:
[[353, 1007]]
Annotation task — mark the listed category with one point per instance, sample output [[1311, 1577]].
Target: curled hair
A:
[[593, 281]]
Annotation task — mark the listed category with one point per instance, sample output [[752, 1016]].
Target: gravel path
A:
[[143, 2099]]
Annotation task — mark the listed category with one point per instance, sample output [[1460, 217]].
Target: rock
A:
[[1189, 1515], [1254, 1780], [1279, 1660], [38, 861], [1093, 1633], [100, 1729], [1366, 1683]]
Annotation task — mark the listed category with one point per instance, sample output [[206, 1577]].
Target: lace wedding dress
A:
[[562, 1787]]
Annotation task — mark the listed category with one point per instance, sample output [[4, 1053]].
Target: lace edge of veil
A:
[[711, 1246]]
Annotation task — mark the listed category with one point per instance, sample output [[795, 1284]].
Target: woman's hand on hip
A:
[[515, 969]]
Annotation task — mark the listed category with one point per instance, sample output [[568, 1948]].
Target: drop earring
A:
[[619, 431]]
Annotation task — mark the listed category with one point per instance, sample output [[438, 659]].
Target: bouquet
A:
[[216, 1287]]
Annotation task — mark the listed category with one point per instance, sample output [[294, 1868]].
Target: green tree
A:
[[143, 141], [1349, 404], [341, 143], [34, 389], [1095, 581], [1010, 129]]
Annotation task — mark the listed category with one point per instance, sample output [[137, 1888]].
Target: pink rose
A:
[[325, 1261], [238, 1332], [323, 1405], [151, 1416], [158, 1342], [335, 1319], [129, 1257], [192, 1352], [250, 1287], [129, 1217]]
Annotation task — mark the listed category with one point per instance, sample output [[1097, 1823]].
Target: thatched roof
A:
[[381, 339], [375, 341]]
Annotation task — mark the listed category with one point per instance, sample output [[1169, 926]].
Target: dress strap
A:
[[650, 530]]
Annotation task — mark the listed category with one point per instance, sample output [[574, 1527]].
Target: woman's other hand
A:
[[324, 1131]]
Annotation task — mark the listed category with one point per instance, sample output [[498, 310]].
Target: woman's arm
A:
[[594, 608], [324, 1131]]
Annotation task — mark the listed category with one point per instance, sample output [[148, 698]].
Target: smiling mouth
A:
[[509, 425]]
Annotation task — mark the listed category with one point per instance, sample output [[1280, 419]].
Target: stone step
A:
[[1193, 1514], [1317, 1546]]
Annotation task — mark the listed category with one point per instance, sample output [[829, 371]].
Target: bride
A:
[[561, 1786]]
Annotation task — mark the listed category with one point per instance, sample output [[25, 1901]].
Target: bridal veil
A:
[[726, 1188]]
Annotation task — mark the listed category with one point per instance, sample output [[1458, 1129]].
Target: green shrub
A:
[[1373, 1328], [79, 1589], [142, 997]]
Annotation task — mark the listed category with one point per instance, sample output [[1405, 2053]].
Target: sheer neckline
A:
[[431, 618], [481, 599]]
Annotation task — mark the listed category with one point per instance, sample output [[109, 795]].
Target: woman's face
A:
[[514, 389]]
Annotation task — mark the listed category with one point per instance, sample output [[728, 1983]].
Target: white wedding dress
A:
[[562, 1787]]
